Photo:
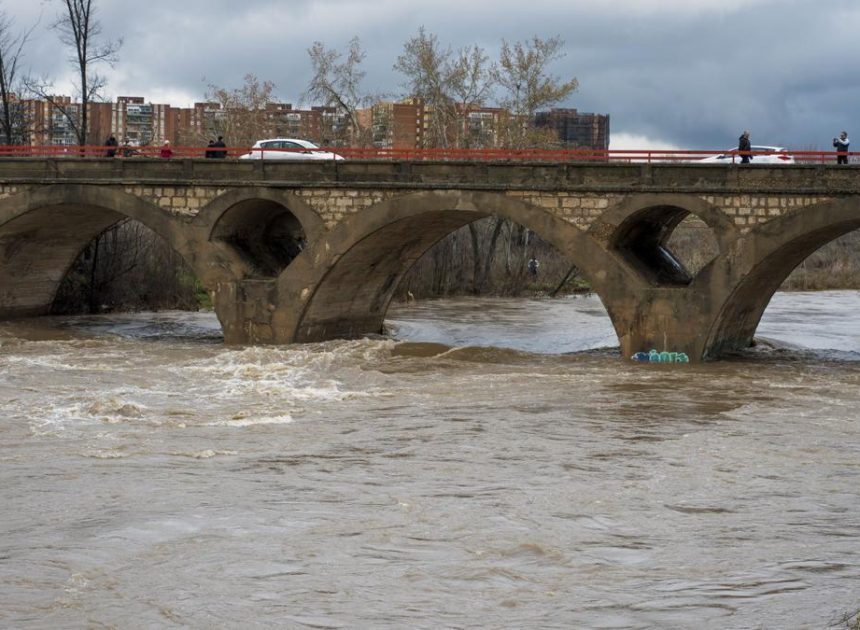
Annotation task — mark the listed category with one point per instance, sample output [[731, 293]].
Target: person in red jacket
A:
[[166, 151]]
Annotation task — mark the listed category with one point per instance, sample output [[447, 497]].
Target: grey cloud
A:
[[783, 68]]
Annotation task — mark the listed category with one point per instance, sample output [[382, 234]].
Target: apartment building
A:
[[482, 127], [395, 125], [48, 121], [207, 120], [387, 124], [576, 130], [142, 123]]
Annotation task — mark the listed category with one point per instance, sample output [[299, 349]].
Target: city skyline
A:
[[675, 74], [137, 121]]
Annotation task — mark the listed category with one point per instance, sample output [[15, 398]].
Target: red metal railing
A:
[[648, 156]]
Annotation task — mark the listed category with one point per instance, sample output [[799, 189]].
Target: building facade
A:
[[576, 130], [387, 124]]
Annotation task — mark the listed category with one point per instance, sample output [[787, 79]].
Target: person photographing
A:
[[841, 145]]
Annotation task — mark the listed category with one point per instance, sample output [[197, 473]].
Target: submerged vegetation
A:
[[128, 268]]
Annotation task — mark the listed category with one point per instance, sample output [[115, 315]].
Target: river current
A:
[[488, 464]]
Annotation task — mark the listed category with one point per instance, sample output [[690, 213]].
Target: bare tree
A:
[[450, 84], [471, 84], [523, 74], [245, 117], [79, 29], [128, 267], [336, 83], [428, 69], [13, 118]]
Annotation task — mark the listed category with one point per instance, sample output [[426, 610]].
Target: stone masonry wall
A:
[[333, 205], [178, 200], [9, 190], [580, 209], [747, 211]]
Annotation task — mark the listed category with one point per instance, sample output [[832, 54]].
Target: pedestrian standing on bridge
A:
[[221, 146], [166, 151], [744, 147], [841, 144], [111, 145]]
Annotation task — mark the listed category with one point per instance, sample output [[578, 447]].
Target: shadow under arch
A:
[[265, 227], [639, 228], [764, 258], [344, 283], [42, 232]]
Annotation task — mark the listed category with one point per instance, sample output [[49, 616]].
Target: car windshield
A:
[[293, 145]]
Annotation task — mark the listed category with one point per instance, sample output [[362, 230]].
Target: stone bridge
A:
[[364, 223]]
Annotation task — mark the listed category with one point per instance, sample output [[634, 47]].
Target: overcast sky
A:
[[674, 73]]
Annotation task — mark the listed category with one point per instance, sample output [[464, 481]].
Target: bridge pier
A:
[[661, 319], [245, 309]]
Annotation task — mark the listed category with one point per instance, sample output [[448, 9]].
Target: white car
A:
[[287, 149], [761, 155]]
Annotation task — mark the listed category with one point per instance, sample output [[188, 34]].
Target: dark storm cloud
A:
[[692, 73]]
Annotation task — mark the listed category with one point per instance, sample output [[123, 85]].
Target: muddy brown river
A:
[[488, 464]]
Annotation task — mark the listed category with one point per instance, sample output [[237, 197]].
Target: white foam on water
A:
[[207, 453], [295, 374], [252, 421], [84, 409], [50, 418], [105, 454]]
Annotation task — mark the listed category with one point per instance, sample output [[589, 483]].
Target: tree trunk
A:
[[476, 258], [564, 281], [92, 298], [491, 252]]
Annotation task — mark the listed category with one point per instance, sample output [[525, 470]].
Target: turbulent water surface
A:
[[491, 464]]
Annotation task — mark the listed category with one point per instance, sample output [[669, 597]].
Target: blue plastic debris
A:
[[661, 357]]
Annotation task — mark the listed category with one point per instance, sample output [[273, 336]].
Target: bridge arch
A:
[[761, 261], [343, 284], [43, 230], [639, 229], [266, 228]]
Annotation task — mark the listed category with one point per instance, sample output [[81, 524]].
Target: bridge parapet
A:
[[589, 176]]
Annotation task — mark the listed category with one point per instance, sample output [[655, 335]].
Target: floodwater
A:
[[491, 464]]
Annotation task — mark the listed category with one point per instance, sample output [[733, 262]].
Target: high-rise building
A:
[[286, 122], [405, 124], [60, 116], [482, 127], [394, 125], [134, 120], [576, 130]]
